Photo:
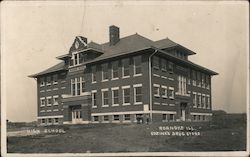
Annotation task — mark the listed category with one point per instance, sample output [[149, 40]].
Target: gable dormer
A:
[[80, 43]]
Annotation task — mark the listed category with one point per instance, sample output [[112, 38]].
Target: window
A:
[[171, 117], [208, 81], [115, 70], [138, 94], [76, 59], [156, 90], [104, 72], [93, 74], [199, 100], [105, 98], [202, 80], [126, 95], [126, 117], [42, 83], [194, 99], [164, 90], [137, 66], [199, 117], [43, 121], [106, 118], [49, 120], [48, 81], [195, 117], [203, 117], [49, 101], [55, 100], [171, 92], [164, 117], [182, 85], [95, 118], [78, 86], [125, 68], [56, 120], [83, 84], [194, 77], [82, 57], [170, 67], [94, 102], [115, 96], [208, 102], [116, 118], [42, 102], [198, 79], [55, 79], [156, 62], [73, 87], [203, 101], [163, 65]]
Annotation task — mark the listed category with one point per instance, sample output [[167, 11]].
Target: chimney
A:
[[114, 35]]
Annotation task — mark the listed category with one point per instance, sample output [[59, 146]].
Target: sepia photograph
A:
[[124, 78]]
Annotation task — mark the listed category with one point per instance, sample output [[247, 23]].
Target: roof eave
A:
[[40, 74], [192, 64]]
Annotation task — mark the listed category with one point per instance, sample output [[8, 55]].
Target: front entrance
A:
[[76, 116], [183, 111]]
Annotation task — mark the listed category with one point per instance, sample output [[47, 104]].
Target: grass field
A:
[[224, 133]]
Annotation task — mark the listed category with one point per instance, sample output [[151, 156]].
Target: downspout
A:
[[150, 85]]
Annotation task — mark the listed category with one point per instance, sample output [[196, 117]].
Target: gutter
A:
[[150, 85]]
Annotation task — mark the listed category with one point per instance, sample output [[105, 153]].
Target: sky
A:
[[34, 33]]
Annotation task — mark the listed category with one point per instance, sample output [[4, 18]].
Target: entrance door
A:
[[76, 116], [183, 111], [183, 114]]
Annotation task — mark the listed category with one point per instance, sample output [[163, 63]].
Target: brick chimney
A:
[[114, 35]]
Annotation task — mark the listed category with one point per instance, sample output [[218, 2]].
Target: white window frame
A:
[[195, 100], [165, 88], [106, 65], [92, 98], [104, 90], [164, 62], [55, 96], [208, 102], [112, 70], [158, 93], [199, 100], [125, 119], [136, 86], [93, 73], [47, 98], [113, 118], [93, 119], [73, 58], [41, 104], [123, 60], [204, 100], [103, 119], [134, 66], [171, 89], [112, 94], [123, 96]]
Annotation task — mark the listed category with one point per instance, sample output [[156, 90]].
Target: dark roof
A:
[[57, 67], [127, 45]]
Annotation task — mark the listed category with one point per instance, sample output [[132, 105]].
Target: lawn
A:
[[224, 133]]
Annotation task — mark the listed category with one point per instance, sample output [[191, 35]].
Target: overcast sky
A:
[[34, 33]]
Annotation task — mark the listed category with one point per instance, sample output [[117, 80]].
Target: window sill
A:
[[138, 103], [42, 106], [164, 104], [164, 97], [94, 106], [115, 78], [126, 104], [157, 96], [49, 105], [105, 105], [55, 83], [55, 104], [156, 103], [125, 77], [115, 104], [104, 80], [93, 82], [135, 75]]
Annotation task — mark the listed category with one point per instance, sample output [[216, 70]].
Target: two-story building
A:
[[125, 80]]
